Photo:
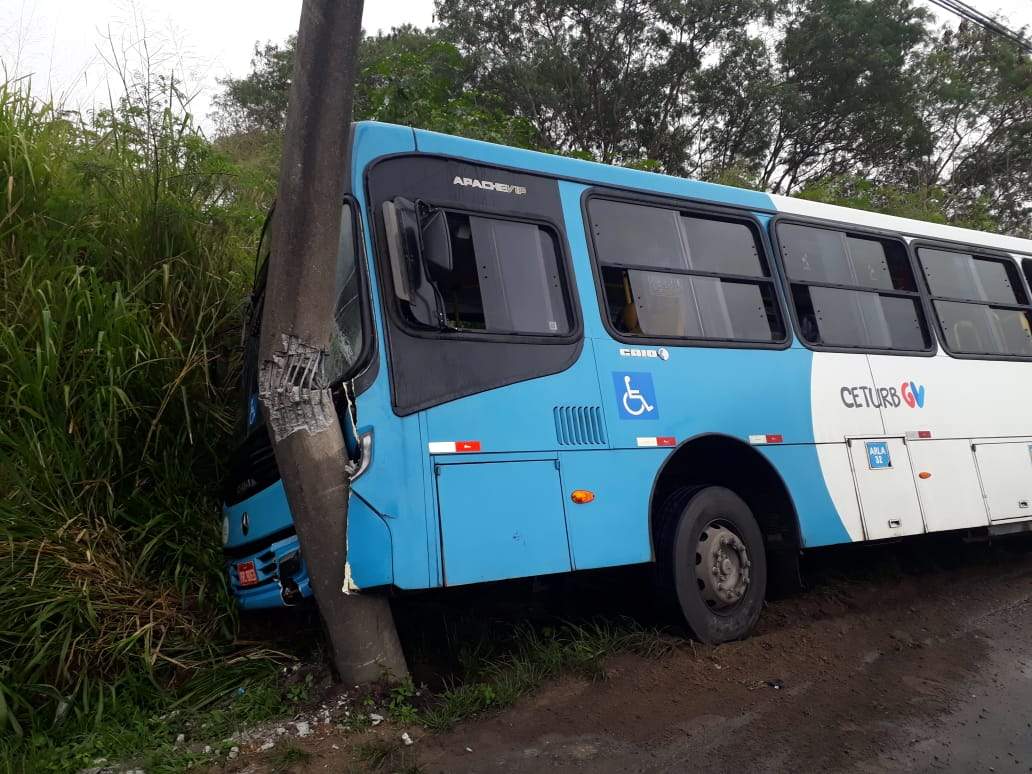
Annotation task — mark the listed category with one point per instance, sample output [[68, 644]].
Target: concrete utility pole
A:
[[296, 329]]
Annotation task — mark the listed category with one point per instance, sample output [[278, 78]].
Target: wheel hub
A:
[[722, 567]]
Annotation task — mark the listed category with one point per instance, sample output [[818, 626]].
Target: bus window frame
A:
[[363, 373], [695, 208], [391, 302], [924, 303], [976, 250], [1026, 269]]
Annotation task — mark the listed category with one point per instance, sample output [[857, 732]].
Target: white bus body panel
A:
[[963, 436], [888, 497], [1006, 473], [951, 496]]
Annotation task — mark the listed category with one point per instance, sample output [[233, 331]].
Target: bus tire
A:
[[712, 558]]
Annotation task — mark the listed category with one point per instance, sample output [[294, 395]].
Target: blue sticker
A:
[[252, 410], [878, 455], [635, 395]]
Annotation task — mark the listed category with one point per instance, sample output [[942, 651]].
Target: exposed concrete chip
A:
[[292, 389]]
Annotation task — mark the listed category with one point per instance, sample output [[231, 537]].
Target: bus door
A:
[[1005, 470], [885, 485]]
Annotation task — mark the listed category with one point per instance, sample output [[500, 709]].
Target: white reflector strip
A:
[[757, 440], [453, 447], [918, 435], [663, 440]]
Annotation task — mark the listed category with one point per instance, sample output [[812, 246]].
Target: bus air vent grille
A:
[[579, 426]]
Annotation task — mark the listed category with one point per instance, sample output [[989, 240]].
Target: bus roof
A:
[[604, 174]]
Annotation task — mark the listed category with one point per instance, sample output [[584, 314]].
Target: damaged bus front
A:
[[263, 555]]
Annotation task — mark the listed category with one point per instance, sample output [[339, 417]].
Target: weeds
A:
[[122, 269], [400, 705]]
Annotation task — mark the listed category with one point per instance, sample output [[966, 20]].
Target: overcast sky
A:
[[62, 43]]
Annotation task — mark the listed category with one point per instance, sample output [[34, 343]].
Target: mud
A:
[[895, 659]]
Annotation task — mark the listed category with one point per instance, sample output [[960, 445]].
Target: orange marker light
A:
[[582, 496], [924, 474]]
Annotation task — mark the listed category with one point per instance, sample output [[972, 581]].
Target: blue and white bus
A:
[[547, 365]]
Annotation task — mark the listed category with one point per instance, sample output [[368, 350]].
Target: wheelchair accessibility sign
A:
[[635, 395]]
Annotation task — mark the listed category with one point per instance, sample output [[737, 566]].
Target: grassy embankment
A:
[[125, 256], [125, 245]]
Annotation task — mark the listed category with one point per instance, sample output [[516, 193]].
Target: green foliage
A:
[[300, 692], [420, 79], [976, 101], [400, 706], [124, 248], [617, 80], [408, 76], [780, 95], [143, 733], [929, 204], [860, 193]]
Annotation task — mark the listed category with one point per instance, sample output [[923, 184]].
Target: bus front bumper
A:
[[274, 576]]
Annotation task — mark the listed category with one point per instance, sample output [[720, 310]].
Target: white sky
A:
[[62, 43]]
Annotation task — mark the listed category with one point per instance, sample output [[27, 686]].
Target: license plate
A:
[[246, 573]]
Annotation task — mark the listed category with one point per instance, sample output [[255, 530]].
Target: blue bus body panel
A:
[[267, 513], [398, 481], [501, 519], [610, 530], [269, 590], [506, 512], [370, 552]]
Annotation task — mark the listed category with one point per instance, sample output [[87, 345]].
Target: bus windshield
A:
[[348, 336]]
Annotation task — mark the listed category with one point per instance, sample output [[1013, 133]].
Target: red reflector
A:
[[775, 438], [467, 446], [924, 433], [246, 573], [666, 440]]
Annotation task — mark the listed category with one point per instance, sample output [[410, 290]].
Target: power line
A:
[[973, 15]]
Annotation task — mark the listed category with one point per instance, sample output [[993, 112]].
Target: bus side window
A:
[[672, 274], [500, 276], [853, 291], [981, 302]]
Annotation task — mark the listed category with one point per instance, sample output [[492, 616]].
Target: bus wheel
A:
[[712, 549]]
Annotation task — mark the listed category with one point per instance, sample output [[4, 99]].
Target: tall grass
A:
[[124, 258]]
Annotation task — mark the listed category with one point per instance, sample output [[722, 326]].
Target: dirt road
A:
[[889, 662], [931, 671]]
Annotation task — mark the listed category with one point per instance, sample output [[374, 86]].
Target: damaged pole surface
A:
[[296, 330]]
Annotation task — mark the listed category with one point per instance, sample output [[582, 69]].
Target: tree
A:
[[781, 95], [845, 96], [612, 79], [977, 106], [407, 76], [258, 102]]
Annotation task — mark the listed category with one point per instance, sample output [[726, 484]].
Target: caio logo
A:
[[913, 394]]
